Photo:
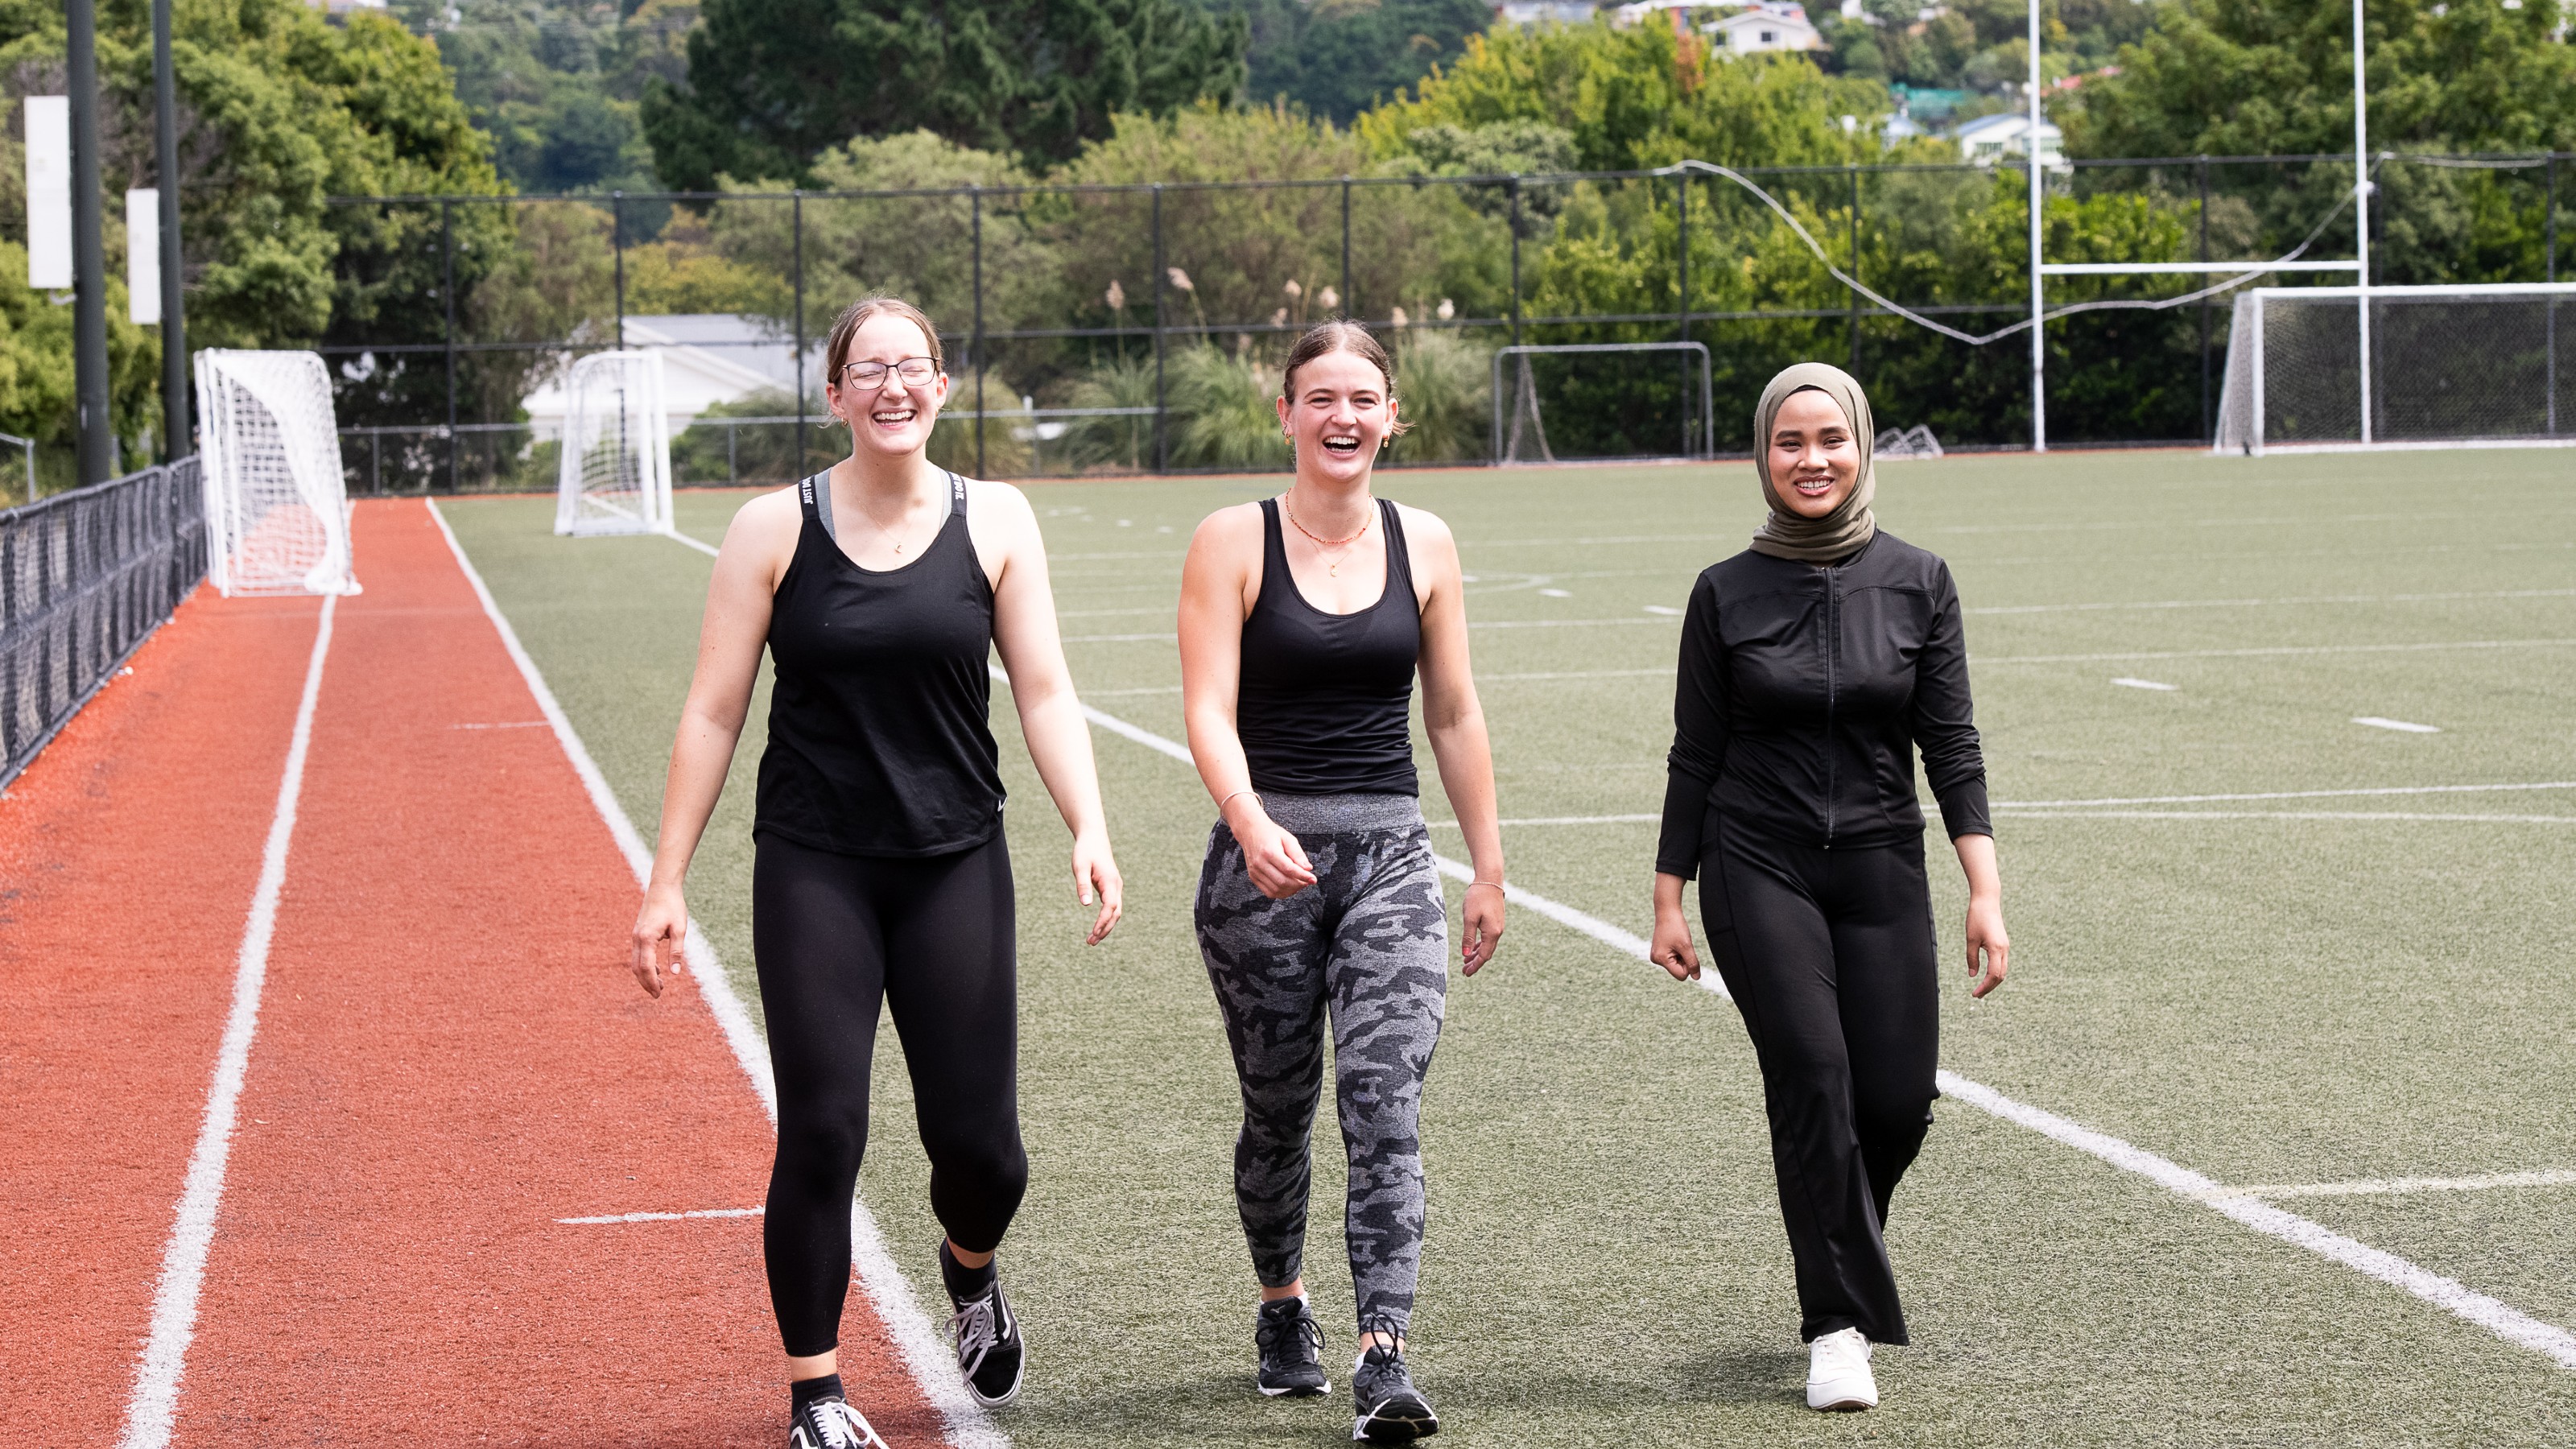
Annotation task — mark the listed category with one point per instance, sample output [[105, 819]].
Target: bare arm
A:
[[1032, 650], [1455, 720], [1985, 932], [1217, 582], [757, 546]]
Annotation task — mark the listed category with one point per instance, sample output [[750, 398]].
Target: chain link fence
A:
[[84, 577], [1137, 328]]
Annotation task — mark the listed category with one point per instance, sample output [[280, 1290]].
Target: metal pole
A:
[[1681, 288], [2038, 283], [796, 227], [447, 295], [1350, 304], [975, 199], [617, 247], [89, 253], [2361, 187], [2549, 252], [176, 441], [2205, 434], [1516, 260], [1162, 280], [1855, 268]]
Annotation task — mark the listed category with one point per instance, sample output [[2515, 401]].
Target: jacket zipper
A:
[[1833, 633]]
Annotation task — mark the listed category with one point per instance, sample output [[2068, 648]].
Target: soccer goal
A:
[[615, 472], [1607, 400], [277, 510], [2449, 367]]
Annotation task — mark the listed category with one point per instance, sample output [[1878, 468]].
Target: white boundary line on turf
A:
[[1996, 609], [933, 1369], [2498, 1318], [2270, 651], [153, 1408], [2553, 1177], [2286, 815], [2281, 795]]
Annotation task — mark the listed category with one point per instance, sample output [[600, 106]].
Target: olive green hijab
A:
[[1842, 532]]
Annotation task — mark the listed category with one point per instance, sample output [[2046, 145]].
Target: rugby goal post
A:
[[1520, 431], [277, 506], [614, 475], [2446, 367]]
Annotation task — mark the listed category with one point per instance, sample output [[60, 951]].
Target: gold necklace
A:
[[1333, 568], [884, 532]]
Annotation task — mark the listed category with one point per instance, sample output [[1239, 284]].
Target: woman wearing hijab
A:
[[1813, 666]]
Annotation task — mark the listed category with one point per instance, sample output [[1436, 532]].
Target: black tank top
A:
[[879, 734], [1323, 701]]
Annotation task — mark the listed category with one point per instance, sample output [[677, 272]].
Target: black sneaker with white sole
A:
[[1391, 1409], [990, 1352], [830, 1423], [1292, 1350]]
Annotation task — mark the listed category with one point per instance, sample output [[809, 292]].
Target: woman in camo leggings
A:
[[1320, 898]]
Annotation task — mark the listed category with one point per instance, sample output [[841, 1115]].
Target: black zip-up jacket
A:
[[1803, 694]]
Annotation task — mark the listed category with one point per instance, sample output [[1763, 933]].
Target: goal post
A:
[[2470, 365], [1520, 430], [277, 508], [614, 474]]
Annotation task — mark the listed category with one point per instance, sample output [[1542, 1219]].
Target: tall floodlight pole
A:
[[89, 252], [2038, 290], [2361, 205], [175, 438]]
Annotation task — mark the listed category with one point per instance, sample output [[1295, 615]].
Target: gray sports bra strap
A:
[[957, 495], [819, 489]]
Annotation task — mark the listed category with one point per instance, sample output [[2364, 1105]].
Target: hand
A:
[[1094, 869], [1986, 934], [1272, 857], [660, 928], [1480, 924], [1671, 947]]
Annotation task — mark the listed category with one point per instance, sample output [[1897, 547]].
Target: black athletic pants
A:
[[933, 939], [1830, 956]]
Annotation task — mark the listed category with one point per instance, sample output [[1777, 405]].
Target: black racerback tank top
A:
[[1323, 703], [880, 741]]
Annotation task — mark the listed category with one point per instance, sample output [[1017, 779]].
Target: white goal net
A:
[[615, 472], [1618, 399], [277, 510], [2457, 366]]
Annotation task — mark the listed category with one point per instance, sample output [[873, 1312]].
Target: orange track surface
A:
[[128, 852], [450, 1056]]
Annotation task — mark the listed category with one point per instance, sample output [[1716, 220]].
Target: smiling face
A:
[[894, 417], [1814, 459], [1336, 414]]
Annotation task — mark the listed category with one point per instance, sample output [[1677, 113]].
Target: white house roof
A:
[[707, 358], [1769, 28]]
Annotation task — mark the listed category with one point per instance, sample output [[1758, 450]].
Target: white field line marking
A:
[[2502, 1320], [1664, 609], [1556, 593], [154, 1406], [666, 1217], [1560, 820], [507, 724], [1117, 693], [933, 1368], [2505, 1322], [2128, 682], [2383, 722], [1579, 674], [2268, 651], [1163, 638], [2266, 603], [2283, 815], [2554, 1177], [700, 544], [2281, 795]]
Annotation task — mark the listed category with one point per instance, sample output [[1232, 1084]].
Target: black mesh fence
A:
[[84, 576], [1138, 328]]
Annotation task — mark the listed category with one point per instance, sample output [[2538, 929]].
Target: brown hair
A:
[[856, 315], [1340, 336]]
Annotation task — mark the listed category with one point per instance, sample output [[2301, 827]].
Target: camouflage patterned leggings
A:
[[1368, 942]]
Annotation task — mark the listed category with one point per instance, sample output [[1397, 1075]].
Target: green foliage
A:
[[556, 83], [711, 452], [1981, 45], [1225, 409], [1336, 58], [1124, 444], [774, 85], [1443, 389]]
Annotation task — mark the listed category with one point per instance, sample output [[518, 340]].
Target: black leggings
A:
[[1830, 956], [933, 939]]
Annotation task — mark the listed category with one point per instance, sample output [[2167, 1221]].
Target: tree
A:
[[1336, 58], [773, 84]]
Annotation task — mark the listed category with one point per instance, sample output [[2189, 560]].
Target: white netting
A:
[[277, 511], [1914, 442], [2461, 365], [615, 474], [1614, 370]]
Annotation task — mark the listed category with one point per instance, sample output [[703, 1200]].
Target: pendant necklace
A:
[[1333, 568]]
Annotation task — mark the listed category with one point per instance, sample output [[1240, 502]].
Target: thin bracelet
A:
[[1228, 800], [1498, 885]]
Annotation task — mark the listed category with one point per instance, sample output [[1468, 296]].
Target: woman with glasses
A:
[[882, 876]]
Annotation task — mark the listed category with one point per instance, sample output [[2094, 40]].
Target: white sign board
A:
[[49, 193], [143, 256]]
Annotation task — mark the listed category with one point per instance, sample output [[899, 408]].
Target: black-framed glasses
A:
[[915, 372]]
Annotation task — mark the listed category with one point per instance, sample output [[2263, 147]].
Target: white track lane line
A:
[[2553, 1177], [665, 1217], [154, 1405], [932, 1366], [2506, 1322]]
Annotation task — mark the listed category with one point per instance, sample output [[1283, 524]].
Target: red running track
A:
[[450, 1057]]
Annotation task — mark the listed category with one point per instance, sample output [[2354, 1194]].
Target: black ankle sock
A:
[[805, 1391], [964, 1284]]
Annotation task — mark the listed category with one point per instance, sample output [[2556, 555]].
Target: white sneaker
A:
[[1838, 1376]]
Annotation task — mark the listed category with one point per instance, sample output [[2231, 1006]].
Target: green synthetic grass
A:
[[2261, 1000]]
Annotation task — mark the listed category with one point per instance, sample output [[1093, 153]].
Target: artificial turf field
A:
[[2281, 989]]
